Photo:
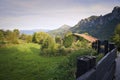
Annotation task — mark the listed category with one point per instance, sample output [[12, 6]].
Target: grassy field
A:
[[23, 62]]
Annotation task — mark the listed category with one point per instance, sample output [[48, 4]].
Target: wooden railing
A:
[[103, 70]]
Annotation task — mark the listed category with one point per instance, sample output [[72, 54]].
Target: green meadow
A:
[[23, 62]]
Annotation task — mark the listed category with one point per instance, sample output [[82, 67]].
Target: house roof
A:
[[87, 37]]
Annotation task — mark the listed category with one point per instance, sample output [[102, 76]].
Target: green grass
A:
[[23, 62]]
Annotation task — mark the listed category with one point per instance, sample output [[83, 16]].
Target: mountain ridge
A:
[[60, 31], [101, 27]]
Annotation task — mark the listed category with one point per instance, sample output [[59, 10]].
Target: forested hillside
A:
[[101, 27]]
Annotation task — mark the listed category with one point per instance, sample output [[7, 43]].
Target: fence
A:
[[103, 70]]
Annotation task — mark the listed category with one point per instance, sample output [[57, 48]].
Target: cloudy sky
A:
[[50, 14]]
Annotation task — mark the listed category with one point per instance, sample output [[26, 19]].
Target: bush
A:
[[64, 51], [68, 40], [116, 37], [49, 47], [66, 69], [99, 57], [80, 44], [61, 50], [58, 39]]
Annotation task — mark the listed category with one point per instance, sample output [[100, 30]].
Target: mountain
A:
[[60, 31], [30, 32], [101, 27]]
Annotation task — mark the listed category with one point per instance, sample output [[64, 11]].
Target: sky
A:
[[50, 14]]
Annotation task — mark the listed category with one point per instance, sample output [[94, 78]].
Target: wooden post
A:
[[106, 47], [84, 64], [111, 46], [92, 61], [98, 46], [94, 45]]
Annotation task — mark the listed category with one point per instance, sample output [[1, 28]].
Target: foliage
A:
[[68, 40], [34, 38], [1, 36], [65, 51], [26, 38], [29, 38], [23, 36], [80, 44], [39, 37], [67, 69], [58, 40], [116, 37], [99, 57], [117, 30], [17, 32], [9, 36], [70, 44], [48, 45]]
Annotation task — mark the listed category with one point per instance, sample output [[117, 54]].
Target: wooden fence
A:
[[103, 70]]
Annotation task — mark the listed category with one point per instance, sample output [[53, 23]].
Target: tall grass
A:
[[23, 62]]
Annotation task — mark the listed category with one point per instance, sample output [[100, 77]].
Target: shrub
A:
[[68, 40], [66, 69], [58, 39], [116, 37], [99, 57], [1, 36], [48, 45], [61, 50]]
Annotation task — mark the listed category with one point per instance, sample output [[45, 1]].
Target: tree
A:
[[1, 36], [117, 29], [26, 38], [8, 36], [23, 36], [68, 40], [15, 38], [58, 39], [48, 45], [34, 38], [116, 37], [17, 32], [29, 38], [39, 37]]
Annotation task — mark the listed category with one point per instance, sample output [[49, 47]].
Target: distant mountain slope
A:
[[60, 31], [101, 27], [30, 32]]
